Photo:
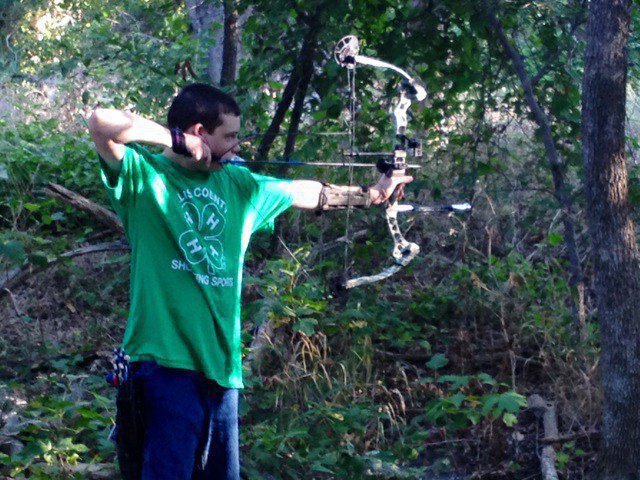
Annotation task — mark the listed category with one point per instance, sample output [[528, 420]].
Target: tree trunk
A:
[[615, 251], [298, 104], [203, 14], [224, 44], [307, 52], [292, 135], [231, 44]]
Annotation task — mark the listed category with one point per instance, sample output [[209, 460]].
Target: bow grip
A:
[[393, 198]]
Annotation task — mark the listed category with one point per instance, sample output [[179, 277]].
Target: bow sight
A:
[[347, 55]]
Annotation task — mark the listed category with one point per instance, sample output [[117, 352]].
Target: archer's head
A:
[[210, 113]]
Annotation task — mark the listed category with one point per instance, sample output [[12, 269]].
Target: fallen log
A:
[[18, 275], [546, 411], [104, 216]]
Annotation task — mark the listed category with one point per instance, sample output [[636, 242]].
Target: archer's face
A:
[[223, 142]]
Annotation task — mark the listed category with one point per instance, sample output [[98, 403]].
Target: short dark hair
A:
[[200, 103]]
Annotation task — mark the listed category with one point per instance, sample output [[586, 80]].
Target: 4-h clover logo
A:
[[201, 242]]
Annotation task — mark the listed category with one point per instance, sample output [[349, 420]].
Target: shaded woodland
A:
[[508, 349]]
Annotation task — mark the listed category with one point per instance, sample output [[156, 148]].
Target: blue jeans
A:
[[190, 425]]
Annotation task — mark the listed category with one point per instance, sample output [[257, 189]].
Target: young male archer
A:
[[189, 217]]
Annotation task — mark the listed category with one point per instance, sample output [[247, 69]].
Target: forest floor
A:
[[59, 328]]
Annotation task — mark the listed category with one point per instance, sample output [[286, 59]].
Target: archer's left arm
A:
[[309, 194]]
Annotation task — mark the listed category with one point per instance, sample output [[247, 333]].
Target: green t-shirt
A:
[[189, 232]]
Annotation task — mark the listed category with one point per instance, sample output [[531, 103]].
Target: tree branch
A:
[[18, 275], [555, 164]]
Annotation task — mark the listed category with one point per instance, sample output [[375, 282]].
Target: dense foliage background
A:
[[423, 374]]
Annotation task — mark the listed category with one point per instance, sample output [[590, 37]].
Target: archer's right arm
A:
[[111, 129]]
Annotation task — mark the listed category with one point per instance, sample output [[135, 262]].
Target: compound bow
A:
[[347, 55]]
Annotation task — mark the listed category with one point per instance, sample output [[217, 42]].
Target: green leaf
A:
[[306, 325], [32, 207], [489, 402], [474, 417], [561, 460], [66, 444], [555, 239], [486, 379], [511, 402], [318, 467], [457, 399], [90, 414], [457, 381], [298, 433], [319, 115], [437, 361], [509, 419]]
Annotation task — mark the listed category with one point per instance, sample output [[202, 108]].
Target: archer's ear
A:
[[196, 129], [199, 129]]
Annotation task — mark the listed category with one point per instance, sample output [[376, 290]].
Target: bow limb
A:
[[404, 251]]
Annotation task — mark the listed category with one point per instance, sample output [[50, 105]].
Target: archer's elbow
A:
[[97, 121], [109, 124]]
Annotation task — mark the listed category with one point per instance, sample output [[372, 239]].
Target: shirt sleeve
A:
[[122, 187], [270, 198]]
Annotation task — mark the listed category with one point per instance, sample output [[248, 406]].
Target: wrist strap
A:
[[339, 197], [178, 144]]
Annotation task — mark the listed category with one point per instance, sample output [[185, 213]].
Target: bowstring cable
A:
[[351, 80]]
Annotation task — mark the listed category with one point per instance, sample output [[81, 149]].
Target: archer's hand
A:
[[199, 150], [385, 187]]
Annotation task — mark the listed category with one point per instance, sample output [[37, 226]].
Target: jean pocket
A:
[[144, 369]]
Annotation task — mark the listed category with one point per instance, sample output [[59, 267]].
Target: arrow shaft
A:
[[295, 163]]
